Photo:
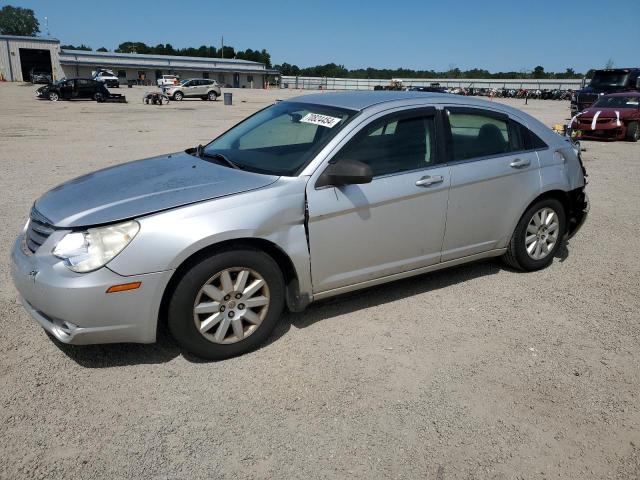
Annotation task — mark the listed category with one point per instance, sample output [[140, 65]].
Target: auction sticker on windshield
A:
[[322, 120]]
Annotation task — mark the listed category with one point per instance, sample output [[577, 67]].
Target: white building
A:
[[20, 55]]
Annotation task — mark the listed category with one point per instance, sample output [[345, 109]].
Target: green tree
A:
[[79, 47], [229, 52], [133, 47], [102, 49], [18, 21], [538, 72]]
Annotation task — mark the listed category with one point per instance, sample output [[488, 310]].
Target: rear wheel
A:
[[633, 132], [227, 304], [538, 236], [178, 96], [212, 96]]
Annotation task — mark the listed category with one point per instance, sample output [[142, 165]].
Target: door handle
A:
[[520, 163], [429, 180]]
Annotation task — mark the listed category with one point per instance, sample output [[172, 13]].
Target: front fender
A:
[[274, 213]]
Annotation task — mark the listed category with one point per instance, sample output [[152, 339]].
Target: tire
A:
[[97, 96], [517, 255], [212, 96], [633, 132], [178, 96], [224, 312], [53, 96]]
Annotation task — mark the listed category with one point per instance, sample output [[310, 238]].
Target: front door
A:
[[198, 88], [236, 80], [391, 225], [494, 176]]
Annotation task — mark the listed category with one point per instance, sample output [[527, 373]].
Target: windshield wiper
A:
[[199, 151]]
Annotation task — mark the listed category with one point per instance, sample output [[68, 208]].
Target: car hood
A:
[[623, 113], [143, 187]]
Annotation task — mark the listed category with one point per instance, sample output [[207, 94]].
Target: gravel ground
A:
[[475, 372]]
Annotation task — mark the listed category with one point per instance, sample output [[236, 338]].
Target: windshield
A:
[[618, 102], [609, 79], [280, 139]]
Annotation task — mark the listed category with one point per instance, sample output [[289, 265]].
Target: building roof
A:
[[29, 39], [161, 62], [136, 57]]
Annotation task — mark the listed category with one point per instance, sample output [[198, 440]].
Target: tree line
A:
[[332, 70]]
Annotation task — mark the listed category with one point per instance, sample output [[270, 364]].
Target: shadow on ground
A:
[[165, 349]]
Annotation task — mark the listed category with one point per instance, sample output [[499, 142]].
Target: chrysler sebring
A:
[[306, 199]]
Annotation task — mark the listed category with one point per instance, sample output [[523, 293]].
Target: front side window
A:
[[397, 143], [282, 138], [476, 135]]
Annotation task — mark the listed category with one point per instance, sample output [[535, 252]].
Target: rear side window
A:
[[476, 135]]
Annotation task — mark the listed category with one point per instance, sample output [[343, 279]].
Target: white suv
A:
[[203, 88], [167, 80]]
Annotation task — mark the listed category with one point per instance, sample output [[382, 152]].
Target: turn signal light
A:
[[124, 287]]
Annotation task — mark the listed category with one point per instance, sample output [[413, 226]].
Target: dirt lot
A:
[[476, 372]]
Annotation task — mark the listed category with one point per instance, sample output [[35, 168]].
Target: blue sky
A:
[[499, 35]]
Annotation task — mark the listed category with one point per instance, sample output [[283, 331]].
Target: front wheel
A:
[[538, 236], [54, 97], [178, 96], [227, 304]]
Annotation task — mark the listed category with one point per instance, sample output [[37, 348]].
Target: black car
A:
[[70, 89]]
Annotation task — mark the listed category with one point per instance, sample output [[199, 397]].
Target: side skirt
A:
[[409, 273]]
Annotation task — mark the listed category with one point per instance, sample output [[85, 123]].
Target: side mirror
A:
[[345, 172]]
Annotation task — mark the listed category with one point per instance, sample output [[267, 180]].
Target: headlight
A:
[[87, 251]]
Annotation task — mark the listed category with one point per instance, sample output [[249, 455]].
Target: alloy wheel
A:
[[542, 233], [231, 305]]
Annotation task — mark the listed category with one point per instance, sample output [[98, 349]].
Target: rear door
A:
[[394, 224], [494, 176]]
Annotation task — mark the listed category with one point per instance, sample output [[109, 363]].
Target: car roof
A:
[[361, 100]]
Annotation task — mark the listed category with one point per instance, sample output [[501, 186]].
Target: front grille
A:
[[599, 121], [38, 230]]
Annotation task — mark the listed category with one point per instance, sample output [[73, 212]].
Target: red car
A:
[[612, 117]]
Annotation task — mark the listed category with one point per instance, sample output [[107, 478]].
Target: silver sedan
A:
[[307, 199]]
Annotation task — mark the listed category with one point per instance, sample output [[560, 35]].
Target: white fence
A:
[[326, 83]]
